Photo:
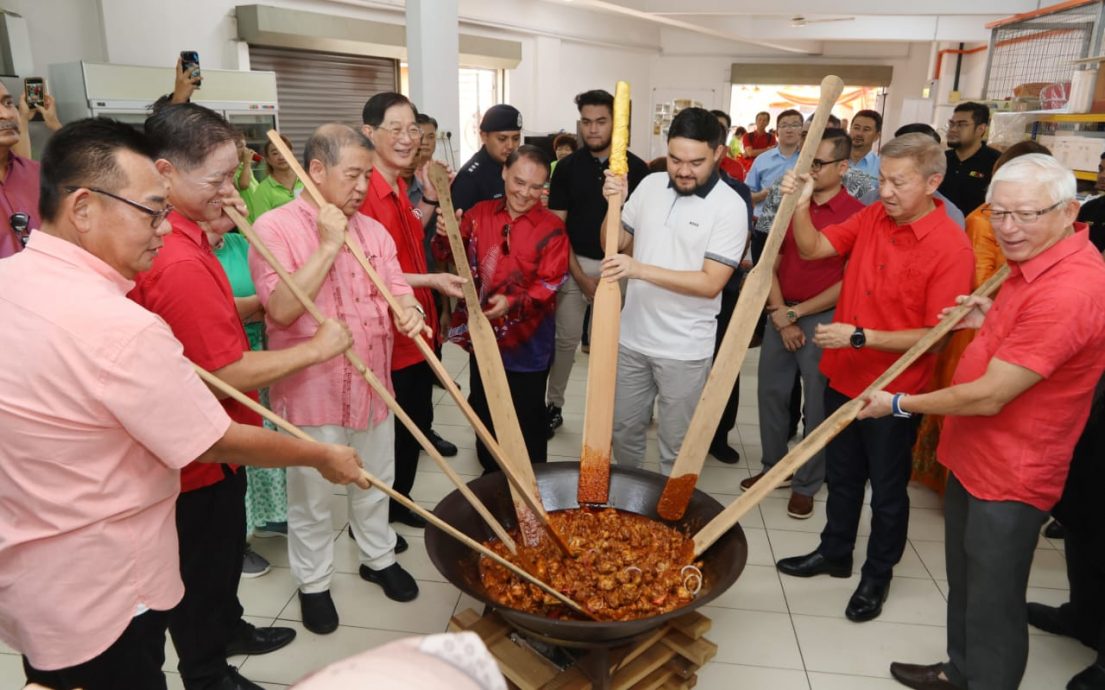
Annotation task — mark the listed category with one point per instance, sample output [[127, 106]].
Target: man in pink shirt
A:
[[331, 401], [18, 181], [98, 419]]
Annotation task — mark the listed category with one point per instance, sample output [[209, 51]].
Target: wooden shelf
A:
[[1071, 117], [1085, 175]]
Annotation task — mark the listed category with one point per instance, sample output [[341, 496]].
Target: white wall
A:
[[61, 31]]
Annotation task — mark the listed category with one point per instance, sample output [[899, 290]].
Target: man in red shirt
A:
[[1020, 395], [803, 296], [758, 140], [389, 122], [907, 261], [518, 252], [188, 288]]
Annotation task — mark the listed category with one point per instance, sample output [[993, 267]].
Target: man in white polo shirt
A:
[[683, 235]]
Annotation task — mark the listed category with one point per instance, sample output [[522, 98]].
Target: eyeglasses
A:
[[959, 124], [816, 164], [414, 132], [791, 126], [157, 216], [1019, 217], [505, 246]]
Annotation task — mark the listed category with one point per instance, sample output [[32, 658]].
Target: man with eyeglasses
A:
[[389, 123], [332, 402], [18, 182], [480, 178], [1020, 395], [769, 166], [98, 424], [518, 253], [188, 288], [970, 160], [906, 262], [803, 296]]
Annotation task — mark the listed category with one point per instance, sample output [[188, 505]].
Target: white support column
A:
[[432, 57], [548, 99]]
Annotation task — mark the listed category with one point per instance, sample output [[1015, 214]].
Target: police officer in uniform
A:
[[481, 178]]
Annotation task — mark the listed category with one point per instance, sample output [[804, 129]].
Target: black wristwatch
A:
[[859, 338]]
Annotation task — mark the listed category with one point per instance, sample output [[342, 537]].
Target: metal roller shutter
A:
[[314, 87]]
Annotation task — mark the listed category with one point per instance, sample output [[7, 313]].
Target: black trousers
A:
[[729, 414], [879, 450], [211, 525], [132, 662], [527, 389], [414, 386], [988, 546]]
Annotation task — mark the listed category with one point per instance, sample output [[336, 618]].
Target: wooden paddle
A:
[[606, 319], [374, 382], [734, 346], [834, 424], [280, 422], [488, 358], [523, 488]]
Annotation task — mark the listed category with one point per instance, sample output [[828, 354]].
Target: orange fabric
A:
[[988, 259]]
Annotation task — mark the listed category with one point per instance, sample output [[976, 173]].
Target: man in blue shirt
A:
[[866, 129], [769, 167]]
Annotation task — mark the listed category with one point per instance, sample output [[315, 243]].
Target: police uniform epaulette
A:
[[472, 168]]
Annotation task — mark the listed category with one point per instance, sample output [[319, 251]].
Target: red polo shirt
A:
[[188, 288], [1047, 318], [733, 168], [756, 140], [898, 277], [800, 279], [395, 213]]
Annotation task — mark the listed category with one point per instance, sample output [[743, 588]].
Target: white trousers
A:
[[310, 499]]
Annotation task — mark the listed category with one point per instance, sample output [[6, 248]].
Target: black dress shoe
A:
[[921, 677], [866, 602], [724, 452], [397, 583], [233, 681], [249, 639], [408, 518], [1090, 678], [814, 564], [446, 449], [319, 614], [1049, 619], [1055, 530], [553, 418]]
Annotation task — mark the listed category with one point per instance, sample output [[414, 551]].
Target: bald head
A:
[[327, 141]]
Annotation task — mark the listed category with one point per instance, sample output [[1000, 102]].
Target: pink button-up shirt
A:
[[332, 392], [98, 410], [18, 194]]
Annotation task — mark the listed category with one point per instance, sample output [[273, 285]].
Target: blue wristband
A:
[[896, 406]]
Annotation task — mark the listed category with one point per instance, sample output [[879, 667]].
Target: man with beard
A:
[[970, 160], [575, 195], [389, 122], [481, 178], [866, 130], [683, 236], [18, 182], [332, 402], [188, 288]]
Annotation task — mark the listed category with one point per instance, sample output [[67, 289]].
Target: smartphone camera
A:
[[190, 64], [34, 90]]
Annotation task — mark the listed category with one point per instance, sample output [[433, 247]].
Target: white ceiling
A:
[[770, 23]]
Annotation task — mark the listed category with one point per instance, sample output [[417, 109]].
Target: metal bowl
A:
[[632, 490]]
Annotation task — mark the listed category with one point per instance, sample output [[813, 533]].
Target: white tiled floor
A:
[[773, 632]]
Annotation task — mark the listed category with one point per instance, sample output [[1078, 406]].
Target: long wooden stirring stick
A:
[[734, 346], [374, 382], [522, 486], [280, 422], [598, 422], [489, 359], [834, 424]]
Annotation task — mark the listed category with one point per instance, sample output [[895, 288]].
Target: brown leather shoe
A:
[[747, 484], [921, 677], [800, 507]]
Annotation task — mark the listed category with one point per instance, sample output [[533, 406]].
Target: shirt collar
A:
[[704, 190], [380, 187], [189, 228], [1039, 264], [925, 224], [833, 202], [533, 215], [70, 253]]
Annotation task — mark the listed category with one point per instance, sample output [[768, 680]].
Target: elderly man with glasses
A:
[[1019, 397]]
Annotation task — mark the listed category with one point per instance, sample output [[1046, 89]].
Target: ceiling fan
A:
[[799, 20]]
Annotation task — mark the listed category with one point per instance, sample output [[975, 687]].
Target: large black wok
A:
[[632, 490]]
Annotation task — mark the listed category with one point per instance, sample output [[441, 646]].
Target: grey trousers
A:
[[989, 547], [776, 378], [643, 380], [571, 307]]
